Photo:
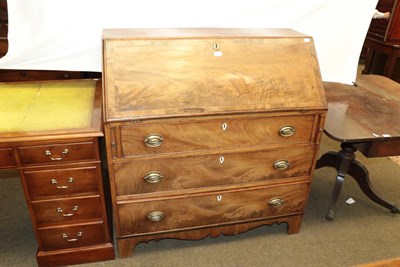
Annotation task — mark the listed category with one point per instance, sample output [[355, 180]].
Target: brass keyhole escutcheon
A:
[[215, 46]]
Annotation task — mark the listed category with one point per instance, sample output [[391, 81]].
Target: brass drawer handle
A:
[[153, 140], [155, 216], [287, 131], [78, 235], [60, 210], [276, 202], [54, 181], [63, 154], [153, 177], [281, 164]]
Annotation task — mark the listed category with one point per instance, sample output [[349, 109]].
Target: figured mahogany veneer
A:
[[209, 131]]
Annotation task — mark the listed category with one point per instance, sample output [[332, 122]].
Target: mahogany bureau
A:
[[50, 132], [209, 131]]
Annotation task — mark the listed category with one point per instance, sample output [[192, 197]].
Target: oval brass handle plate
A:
[[155, 216], [153, 177], [153, 140], [287, 131], [276, 202], [281, 164]]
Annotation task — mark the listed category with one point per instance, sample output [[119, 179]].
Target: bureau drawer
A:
[[7, 158], [175, 173], [72, 236], [210, 209], [67, 210], [225, 132], [62, 182], [58, 153]]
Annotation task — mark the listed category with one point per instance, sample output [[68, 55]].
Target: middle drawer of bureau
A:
[[210, 208], [188, 172]]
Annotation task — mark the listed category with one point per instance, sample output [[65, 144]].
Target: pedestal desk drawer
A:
[[211, 208], [7, 158], [59, 153], [72, 236], [67, 210], [61, 182], [240, 131], [175, 173]]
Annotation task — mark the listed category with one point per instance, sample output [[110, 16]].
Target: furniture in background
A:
[[3, 28], [383, 38], [209, 131], [49, 132], [366, 119]]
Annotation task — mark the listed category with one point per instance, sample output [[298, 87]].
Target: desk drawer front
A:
[[67, 210], [210, 209], [153, 175], [56, 154], [7, 158], [72, 236], [212, 134], [43, 184]]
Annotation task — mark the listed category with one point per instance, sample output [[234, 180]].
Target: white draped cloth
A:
[[66, 34]]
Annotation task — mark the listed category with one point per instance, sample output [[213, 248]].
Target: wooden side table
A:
[[50, 132], [363, 118]]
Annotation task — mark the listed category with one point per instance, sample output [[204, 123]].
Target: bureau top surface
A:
[[179, 33], [156, 73], [37, 110]]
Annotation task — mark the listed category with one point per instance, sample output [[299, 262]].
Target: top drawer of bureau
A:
[[223, 132]]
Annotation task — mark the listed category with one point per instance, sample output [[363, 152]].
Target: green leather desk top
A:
[[46, 106]]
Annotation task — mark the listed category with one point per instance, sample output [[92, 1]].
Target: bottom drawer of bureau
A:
[[210, 208], [72, 236]]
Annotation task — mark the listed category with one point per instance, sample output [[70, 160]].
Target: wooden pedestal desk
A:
[[209, 131], [50, 132]]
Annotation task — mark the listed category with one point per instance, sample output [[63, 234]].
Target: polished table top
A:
[[367, 112]]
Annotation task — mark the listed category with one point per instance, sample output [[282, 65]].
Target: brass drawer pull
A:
[[54, 181], [155, 216], [281, 164], [78, 235], [153, 140], [153, 177], [287, 131], [276, 202], [60, 210], [63, 154]]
